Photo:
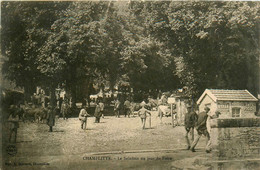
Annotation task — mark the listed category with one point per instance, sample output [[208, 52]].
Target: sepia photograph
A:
[[130, 84]]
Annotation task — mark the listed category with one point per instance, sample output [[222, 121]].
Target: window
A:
[[235, 112]]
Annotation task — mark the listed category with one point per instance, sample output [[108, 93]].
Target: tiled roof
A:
[[228, 95]]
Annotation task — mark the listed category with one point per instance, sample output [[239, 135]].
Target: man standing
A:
[[189, 121], [50, 117], [102, 106], [202, 129], [64, 110], [143, 114], [116, 108], [97, 113], [83, 117], [13, 121], [127, 106]]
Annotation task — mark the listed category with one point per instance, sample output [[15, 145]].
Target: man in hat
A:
[[189, 122], [201, 127]]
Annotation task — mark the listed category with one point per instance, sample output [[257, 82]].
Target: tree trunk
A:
[[73, 95], [53, 100], [28, 92]]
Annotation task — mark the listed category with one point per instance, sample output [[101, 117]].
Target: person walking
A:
[[50, 117], [102, 106], [127, 106], [117, 108], [142, 113], [97, 113], [83, 114], [190, 119], [13, 123], [201, 127], [64, 110]]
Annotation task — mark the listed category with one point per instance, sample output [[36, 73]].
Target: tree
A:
[[23, 32], [149, 46], [147, 62], [73, 50], [216, 41]]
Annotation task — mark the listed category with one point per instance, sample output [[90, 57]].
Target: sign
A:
[[223, 106], [171, 100]]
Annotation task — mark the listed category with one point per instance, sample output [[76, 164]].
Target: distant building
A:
[[231, 103]]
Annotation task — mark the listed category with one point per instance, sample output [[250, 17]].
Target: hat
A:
[[142, 104], [206, 108]]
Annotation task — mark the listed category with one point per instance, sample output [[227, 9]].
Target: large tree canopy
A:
[[147, 45]]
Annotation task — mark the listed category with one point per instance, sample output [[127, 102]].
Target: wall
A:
[[247, 108], [234, 138]]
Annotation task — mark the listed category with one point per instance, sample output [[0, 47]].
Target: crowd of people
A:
[[48, 112], [126, 106], [192, 120]]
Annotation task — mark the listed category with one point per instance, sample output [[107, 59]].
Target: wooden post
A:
[[172, 116]]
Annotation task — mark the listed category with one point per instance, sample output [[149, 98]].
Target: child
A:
[[142, 113]]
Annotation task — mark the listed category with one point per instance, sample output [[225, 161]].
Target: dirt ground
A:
[[114, 143]]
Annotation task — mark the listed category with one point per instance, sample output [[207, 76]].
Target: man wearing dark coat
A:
[[50, 117], [117, 108], [127, 106], [13, 122], [97, 113], [189, 122]]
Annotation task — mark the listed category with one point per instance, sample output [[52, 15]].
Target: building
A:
[[230, 103]]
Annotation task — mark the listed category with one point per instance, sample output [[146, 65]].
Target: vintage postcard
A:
[[130, 85]]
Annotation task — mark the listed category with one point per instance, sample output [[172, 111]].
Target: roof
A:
[[228, 95]]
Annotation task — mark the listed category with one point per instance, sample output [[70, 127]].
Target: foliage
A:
[[149, 46]]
